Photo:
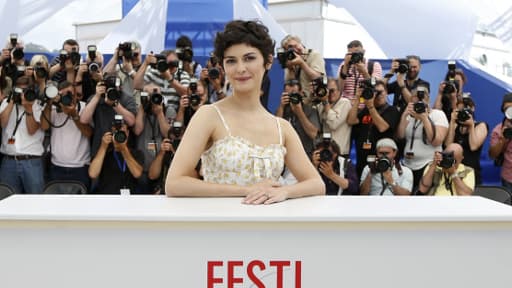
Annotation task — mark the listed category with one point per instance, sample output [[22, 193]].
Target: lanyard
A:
[[152, 124], [414, 127], [123, 167], [18, 121]]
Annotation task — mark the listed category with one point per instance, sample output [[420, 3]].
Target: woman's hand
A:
[[265, 192]]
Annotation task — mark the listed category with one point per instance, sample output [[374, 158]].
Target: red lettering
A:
[[250, 272], [298, 274], [279, 267], [211, 279], [231, 273]]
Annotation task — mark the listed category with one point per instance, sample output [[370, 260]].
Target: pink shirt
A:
[[506, 169]]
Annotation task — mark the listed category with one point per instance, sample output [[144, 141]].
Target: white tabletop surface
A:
[[310, 209]]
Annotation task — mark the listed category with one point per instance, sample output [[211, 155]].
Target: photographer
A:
[[356, 68], [500, 145], [89, 74], [116, 166], [5, 84], [22, 139], [407, 79], [338, 173], [108, 100], [12, 58], [150, 126], [69, 138], [126, 62], [167, 74], [469, 133], [333, 111], [214, 80], [38, 70], [64, 67], [446, 175], [375, 121], [423, 130], [303, 118], [300, 63], [450, 90], [384, 175], [191, 102], [185, 53], [160, 165]]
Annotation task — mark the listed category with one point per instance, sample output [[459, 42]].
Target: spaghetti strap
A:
[[280, 131], [222, 118]]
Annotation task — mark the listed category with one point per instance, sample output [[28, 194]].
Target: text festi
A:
[[255, 272]]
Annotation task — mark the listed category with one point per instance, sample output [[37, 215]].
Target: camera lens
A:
[[325, 155], [67, 99], [94, 67], [420, 107], [161, 65], [194, 100], [507, 133], [113, 94], [120, 136], [156, 98], [213, 73], [30, 94], [295, 98]]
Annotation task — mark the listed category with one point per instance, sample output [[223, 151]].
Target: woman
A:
[[242, 147], [470, 134]]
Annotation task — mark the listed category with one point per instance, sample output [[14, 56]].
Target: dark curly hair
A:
[[252, 33]]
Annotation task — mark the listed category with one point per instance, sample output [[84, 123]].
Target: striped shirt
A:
[[172, 98], [349, 90]]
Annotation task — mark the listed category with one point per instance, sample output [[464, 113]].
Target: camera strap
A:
[[18, 120], [384, 184], [414, 128], [152, 124], [448, 183]]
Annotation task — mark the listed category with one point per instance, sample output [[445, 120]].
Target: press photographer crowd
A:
[[114, 127]]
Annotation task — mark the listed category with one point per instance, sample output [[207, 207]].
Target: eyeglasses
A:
[[383, 153], [332, 90]]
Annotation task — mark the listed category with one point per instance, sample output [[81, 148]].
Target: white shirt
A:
[[423, 153], [24, 143], [70, 148], [405, 181], [335, 122]]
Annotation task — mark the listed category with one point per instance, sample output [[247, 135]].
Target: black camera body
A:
[[403, 66], [156, 98], [448, 160], [40, 70], [67, 99], [382, 164], [507, 133], [15, 95], [127, 49], [295, 97], [185, 54], [325, 154], [74, 56], [356, 57], [450, 87], [162, 65], [464, 115], [213, 73], [194, 99], [320, 87], [283, 56], [118, 134], [113, 85], [420, 107], [368, 86]]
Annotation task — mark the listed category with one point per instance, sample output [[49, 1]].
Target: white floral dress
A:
[[235, 160]]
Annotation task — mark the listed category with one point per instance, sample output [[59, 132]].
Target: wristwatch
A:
[[76, 118]]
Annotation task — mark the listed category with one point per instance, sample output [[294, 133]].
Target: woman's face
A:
[[244, 68]]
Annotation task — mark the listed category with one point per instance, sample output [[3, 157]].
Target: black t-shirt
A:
[[366, 131], [471, 158], [112, 178], [398, 100]]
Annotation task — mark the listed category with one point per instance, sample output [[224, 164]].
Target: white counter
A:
[[154, 241]]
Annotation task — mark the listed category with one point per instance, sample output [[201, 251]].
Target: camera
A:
[[356, 57], [162, 65], [420, 107], [382, 164], [284, 56], [40, 70], [67, 99], [119, 135], [368, 86], [185, 54], [507, 133], [193, 98], [127, 49], [464, 114], [450, 87], [213, 73], [448, 159], [113, 84], [74, 56], [295, 97], [403, 66], [320, 87], [17, 53], [213, 60], [15, 95], [326, 154], [156, 98], [91, 51]]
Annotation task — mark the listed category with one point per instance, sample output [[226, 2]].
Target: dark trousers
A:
[[80, 174]]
